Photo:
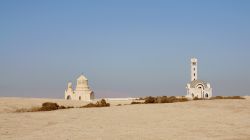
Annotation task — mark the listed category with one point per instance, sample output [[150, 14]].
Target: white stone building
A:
[[82, 91], [197, 88]]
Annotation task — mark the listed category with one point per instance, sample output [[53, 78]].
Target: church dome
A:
[[195, 83]]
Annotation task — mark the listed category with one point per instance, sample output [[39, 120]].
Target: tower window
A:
[[194, 69], [194, 74]]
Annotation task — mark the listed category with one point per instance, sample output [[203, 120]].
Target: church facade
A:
[[81, 92], [197, 88]]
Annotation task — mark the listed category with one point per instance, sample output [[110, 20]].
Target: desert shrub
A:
[[62, 107], [217, 97], [157, 99], [89, 105], [68, 107], [136, 102], [119, 105], [172, 99], [65, 107], [101, 103], [183, 99], [227, 97], [233, 97], [196, 98], [33, 109], [149, 100], [164, 99], [238, 97], [48, 106]]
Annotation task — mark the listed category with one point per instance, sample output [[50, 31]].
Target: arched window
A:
[[80, 97]]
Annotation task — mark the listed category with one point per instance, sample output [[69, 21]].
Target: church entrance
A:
[[201, 89], [68, 97], [206, 95]]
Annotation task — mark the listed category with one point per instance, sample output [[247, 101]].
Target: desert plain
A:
[[226, 119]]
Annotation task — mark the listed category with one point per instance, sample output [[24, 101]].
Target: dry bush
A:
[[227, 97], [164, 99], [119, 105], [183, 99], [149, 100], [216, 97], [68, 107], [236, 97], [61, 107], [172, 99], [196, 98], [88, 105], [48, 106], [65, 107], [136, 102], [101, 103]]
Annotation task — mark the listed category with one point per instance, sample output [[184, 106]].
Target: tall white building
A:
[[81, 92], [197, 88]]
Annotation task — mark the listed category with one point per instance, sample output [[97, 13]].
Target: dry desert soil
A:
[[194, 120]]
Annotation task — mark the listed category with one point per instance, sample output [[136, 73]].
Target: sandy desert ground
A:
[[193, 120]]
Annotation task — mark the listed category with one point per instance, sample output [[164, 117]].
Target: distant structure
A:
[[82, 91], [197, 88]]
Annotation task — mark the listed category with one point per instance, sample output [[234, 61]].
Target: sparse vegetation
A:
[[63, 107], [227, 97], [196, 98], [33, 109], [149, 100], [47, 106], [101, 103], [164, 99], [136, 102]]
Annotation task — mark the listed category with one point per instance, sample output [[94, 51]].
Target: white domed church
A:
[[197, 88], [82, 91]]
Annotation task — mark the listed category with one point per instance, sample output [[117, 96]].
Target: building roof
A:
[[82, 77], [194, 83]]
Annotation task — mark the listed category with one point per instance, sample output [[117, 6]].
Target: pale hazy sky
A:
[[125, 48]]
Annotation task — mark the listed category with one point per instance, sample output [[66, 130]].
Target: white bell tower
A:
[[194, 70]]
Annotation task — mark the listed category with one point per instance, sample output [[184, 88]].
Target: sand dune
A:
[[211, 119]]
